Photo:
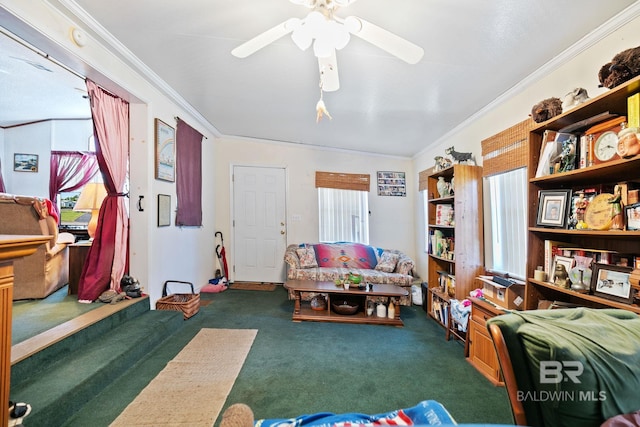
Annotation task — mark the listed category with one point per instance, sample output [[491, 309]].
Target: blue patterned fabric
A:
[[428, 412]]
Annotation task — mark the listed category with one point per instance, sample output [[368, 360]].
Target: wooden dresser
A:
[[482, 354], [11, 247]]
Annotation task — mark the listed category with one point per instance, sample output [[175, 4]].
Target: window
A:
[[505, 203], [504, 166], [343, 215]]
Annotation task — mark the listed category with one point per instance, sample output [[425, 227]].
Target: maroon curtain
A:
[[70, 170], [2, 187], [188, 175], [106, 261]]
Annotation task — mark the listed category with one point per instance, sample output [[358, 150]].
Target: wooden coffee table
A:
[[302, 310]]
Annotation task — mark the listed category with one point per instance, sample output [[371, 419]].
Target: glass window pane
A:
[[343, 216], [505, 201]]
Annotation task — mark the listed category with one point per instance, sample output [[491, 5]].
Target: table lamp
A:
[[90, 200]]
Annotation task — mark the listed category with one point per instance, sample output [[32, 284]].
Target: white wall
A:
[[391, 220], [579, 69], [40, 138], [31, 139], [72, 135]]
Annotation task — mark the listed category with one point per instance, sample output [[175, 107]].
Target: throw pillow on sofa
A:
[[307, 257], [387, 262]]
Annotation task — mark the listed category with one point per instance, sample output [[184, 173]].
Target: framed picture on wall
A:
[[25, 162], [392, 184], [165, 151], [164, 210]]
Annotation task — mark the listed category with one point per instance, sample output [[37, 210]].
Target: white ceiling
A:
[[475, 51]]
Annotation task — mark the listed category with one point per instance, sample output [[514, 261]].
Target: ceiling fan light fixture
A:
[[352, 24], [344, 3], [326, 34], [302, 37]]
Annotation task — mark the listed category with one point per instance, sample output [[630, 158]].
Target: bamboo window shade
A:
[[423, 179], [507, 150], [343, 181]]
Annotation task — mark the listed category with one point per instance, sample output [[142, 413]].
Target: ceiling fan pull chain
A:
[[321, 108]]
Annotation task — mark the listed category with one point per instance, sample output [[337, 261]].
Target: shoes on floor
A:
[[17, 413]]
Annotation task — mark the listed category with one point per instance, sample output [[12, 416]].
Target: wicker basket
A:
[[188, 304]]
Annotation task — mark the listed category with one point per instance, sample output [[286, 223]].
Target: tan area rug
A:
[[253, 286], [193, 387]]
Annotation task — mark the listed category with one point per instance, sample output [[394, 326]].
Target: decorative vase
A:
[[370, 308], [442, 187], [318, 303], [391, 311], [381, 310]]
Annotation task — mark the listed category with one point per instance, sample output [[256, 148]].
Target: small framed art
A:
[[164, 210], [633, 216], [25, 162], [552, 208], [165, 151], [612, 282], [392, 184]]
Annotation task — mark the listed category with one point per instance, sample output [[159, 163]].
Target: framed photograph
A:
[[25, 162], [632, 212], [552, 208], [612, 282], [567, 262], [164, 210], [165, 151], [392, 184]]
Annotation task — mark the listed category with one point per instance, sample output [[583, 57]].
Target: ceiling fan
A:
[[328, 33]]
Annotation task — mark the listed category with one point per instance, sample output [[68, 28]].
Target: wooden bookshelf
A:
[[465, 259], [610, 173]]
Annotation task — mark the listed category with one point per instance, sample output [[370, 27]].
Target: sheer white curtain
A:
[[505, 199], [343, 215]]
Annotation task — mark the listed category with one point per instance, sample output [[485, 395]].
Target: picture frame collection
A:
[[569, 208], [602, 275]]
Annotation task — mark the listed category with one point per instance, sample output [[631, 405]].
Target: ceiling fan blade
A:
[[385, 40], [261, 40], [328, 67]]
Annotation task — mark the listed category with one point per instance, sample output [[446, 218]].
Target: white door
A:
[[259, 224]]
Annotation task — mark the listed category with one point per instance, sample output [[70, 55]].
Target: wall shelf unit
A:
[[602, 175], [461, 256]]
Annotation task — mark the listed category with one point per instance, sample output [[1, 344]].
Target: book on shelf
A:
[[551, 249], [444, 214], [446, 281], [441, 310], [550, 150], [633, 110]]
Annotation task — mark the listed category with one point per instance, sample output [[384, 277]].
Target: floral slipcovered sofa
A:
[[330, 261]]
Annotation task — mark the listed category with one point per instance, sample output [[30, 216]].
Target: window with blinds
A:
[[505, 199], [343, 202]]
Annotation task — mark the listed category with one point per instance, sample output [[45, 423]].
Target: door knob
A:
[[281, 231]]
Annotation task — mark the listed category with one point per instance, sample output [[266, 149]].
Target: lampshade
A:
[[90, 200]]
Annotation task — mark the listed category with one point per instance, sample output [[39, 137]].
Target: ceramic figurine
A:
[[561, 277], [442, 187]]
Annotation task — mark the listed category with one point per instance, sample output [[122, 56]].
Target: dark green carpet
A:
[[297, 368], [31, 317]]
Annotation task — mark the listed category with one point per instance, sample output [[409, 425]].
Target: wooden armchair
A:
[[569, 367]]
